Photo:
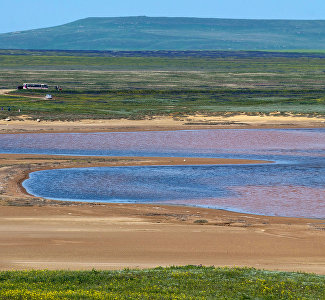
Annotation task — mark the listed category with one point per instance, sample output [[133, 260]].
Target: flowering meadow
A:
[[189, 282]]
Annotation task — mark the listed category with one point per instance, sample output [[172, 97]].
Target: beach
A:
[[37, 233]]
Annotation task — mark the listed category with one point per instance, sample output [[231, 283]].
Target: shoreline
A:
[[105, 161], [134, 161], [69, 162], [193, 122]]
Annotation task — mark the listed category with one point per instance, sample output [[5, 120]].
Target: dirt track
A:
[[3, 92]]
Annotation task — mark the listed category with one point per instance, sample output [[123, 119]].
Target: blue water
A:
[[239, 143], [293, 186], [208, 186]]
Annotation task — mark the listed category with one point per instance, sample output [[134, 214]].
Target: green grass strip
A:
[[189, 282]]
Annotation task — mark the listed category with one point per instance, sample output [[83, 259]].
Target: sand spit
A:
[[15, 168]]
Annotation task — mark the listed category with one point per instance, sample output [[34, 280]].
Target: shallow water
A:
[[294, 186], [198, 143]]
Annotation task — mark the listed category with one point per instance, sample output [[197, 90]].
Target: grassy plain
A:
[[190, 282], [135, 87]]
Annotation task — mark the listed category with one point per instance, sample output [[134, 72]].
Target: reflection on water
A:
[[294, 186], [285, 190]]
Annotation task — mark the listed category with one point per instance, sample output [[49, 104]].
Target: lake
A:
[[294, 186]]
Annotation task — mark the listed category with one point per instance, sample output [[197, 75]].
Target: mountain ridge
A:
[[171, 33]]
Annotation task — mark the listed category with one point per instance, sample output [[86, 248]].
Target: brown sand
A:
[[24, 124], [37, 233], [115, 236]]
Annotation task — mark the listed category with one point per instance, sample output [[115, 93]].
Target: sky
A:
[[18, 15]]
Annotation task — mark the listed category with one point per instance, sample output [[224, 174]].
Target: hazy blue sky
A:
[[21, 15]]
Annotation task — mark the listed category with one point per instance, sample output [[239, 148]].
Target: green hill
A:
[[146, 33]]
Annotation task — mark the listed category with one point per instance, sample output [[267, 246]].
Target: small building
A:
[[35, 86]]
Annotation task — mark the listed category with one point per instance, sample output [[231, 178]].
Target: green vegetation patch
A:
[[190, 282], [247, 62], [139, 104], [138, 85]]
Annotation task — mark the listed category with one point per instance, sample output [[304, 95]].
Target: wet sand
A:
[[36, 233], [115, 236]]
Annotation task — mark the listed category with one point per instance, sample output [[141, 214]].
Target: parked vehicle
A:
[[35, 86]]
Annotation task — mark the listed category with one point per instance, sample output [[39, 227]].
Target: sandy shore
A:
[[115, 236], [24, 124], [38, 233]]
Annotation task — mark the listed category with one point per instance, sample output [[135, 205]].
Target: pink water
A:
[[293, 186]]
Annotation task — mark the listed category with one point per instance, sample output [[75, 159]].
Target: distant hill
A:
[[146, 33]]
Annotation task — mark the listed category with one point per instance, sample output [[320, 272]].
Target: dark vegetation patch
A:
[[201, 221]]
